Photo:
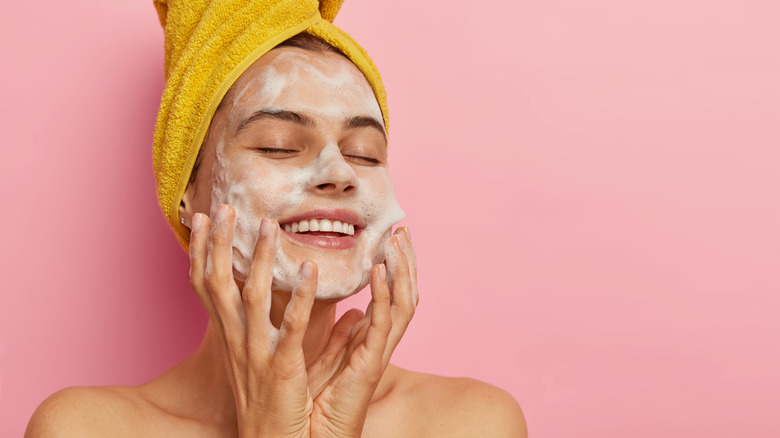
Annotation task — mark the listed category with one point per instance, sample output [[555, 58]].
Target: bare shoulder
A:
[[85, 412], [459, 407]]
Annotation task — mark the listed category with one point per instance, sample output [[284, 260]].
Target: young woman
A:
[[289, 208]]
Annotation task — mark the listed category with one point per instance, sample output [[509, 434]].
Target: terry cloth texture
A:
[[208, 44]]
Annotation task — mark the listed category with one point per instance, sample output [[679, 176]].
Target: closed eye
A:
[[368, 160]]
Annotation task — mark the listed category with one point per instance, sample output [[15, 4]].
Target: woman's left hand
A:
[[343, 379]]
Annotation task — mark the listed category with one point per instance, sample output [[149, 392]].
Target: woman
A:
[[286, 208]]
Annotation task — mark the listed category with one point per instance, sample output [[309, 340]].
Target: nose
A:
[[333, 175]]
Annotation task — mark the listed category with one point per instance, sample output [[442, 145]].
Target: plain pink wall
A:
[[592, 188]]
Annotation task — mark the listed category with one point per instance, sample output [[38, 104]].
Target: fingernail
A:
[[306, 269], [222, 212], [197, 221], [383, 271], [408, 233], [266, 227]]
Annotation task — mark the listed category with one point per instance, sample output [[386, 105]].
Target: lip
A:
[[341, 242]]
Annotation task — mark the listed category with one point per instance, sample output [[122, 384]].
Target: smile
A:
[[325, 228], [320, 225]]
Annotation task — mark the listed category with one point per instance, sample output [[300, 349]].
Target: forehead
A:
[[321, 85]]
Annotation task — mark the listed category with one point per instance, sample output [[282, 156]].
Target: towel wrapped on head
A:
[[208, 45]]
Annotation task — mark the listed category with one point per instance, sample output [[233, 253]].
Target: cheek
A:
[[379, 187], [380, 205], [259, 189]]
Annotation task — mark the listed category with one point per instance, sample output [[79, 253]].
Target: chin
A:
[[338, 278], [337, 290], [340, 273]]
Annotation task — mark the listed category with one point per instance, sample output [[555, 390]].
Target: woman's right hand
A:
[[265, 365]]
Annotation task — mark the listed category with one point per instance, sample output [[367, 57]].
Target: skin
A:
[[274, 361]]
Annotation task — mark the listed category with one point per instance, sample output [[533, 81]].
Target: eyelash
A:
[[276, 151]]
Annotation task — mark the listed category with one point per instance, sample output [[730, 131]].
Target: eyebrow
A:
[[365, 121], [268, 113], [304, 120]]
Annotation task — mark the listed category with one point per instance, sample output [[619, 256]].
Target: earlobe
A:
[[185, 207]]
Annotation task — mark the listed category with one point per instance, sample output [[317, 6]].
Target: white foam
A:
[[277, 84]]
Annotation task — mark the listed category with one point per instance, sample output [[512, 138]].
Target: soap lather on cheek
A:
[[284, 189]]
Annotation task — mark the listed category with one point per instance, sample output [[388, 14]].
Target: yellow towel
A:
[[208, 44]]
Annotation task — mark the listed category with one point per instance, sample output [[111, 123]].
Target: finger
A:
[[219, 279], [296, 315], [403, 305], [342, 331], [381, 322], [412, 259], [198, 251], [256, 295], [201, 226], [359, 330], [399, 270], [329, 363]]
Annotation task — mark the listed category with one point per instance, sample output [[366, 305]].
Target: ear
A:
[[186, 208]]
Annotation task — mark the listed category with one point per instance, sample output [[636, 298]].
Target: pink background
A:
[[592, 188]]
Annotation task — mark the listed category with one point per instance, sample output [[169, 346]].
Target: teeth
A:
[[320, 225]]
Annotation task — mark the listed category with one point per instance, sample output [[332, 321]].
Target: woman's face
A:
[[301, 140]]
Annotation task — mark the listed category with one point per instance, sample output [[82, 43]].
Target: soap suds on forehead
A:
[[269, 89]]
